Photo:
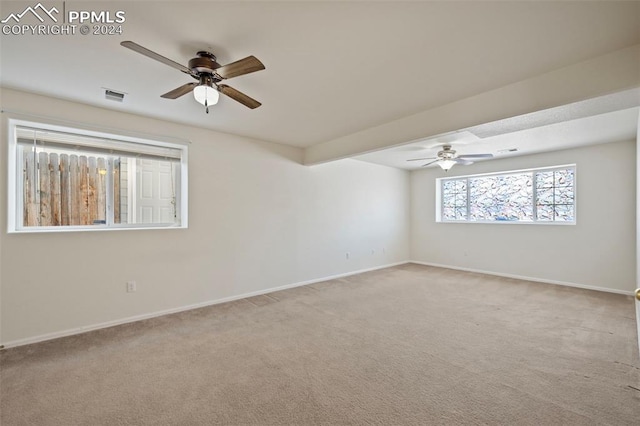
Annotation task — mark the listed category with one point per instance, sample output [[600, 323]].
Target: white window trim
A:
[[14, 216], [438, 203]]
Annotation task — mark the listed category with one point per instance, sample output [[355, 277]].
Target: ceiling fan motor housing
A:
[[204, 63], [447, 152]]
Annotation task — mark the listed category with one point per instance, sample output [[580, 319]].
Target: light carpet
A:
[[408, 345]]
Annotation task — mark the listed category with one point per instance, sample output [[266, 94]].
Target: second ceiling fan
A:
[[208, 74], [447, 158]]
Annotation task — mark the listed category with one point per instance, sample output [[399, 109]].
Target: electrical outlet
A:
[[131, 286]]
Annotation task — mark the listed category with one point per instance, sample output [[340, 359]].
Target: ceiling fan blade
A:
[[462, 161], [420, 159], [238, 96], [243, 66], [476, 156], [429, 163], [153, 55], [182, 90]]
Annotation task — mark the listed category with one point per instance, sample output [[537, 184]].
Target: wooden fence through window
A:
[[66, 190]]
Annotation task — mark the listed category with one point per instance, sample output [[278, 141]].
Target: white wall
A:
[[599, 251], [258, 219]]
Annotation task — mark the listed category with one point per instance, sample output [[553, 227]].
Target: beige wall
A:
[[599, 251], [258, 219]]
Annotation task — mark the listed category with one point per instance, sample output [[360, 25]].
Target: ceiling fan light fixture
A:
[[446, 164], [206, 94]]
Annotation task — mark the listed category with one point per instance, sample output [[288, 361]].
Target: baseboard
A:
[[86, 329], [522, 277]]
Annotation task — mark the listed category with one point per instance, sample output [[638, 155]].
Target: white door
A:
[[155, 195]]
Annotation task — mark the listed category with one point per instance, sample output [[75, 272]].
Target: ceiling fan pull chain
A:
[[206, 106]]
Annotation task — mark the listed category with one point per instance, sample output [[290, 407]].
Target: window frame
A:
[[15, 188], [440, 197]]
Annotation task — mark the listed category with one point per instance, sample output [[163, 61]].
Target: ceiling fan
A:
[[447, 158], [209, 74]]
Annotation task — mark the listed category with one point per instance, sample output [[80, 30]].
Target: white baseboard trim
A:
[[522, 277], [107, 324]]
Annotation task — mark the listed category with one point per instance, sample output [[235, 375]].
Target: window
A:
[[69, 179], [535, 196]]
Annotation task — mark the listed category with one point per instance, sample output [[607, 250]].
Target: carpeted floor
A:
[[410, 345]]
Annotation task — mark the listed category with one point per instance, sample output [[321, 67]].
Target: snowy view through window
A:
[[542, 195]]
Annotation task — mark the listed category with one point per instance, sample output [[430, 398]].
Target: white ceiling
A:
[[332, 68]]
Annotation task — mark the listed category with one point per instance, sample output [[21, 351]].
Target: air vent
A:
[[112, 95]]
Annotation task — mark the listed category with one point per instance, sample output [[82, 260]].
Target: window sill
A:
[[97, 228], [505, 222]]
